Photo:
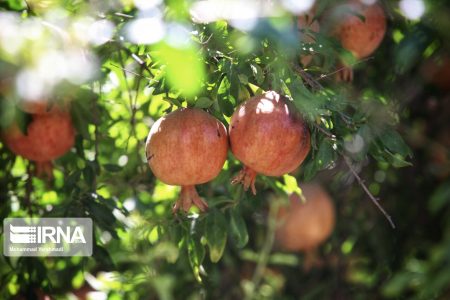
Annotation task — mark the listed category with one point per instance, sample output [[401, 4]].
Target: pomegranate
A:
[[304, 226], [436, 70], [36, 107], [187, 147], [306, 22], [361, 37], [48, 137], [268, 136], [360, 28]]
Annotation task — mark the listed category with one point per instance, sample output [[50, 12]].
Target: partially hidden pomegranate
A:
[[36, 107], [304, 226], [48, 137], [187, 147], [360, 28], [307, 24], [269, 136], [436, 70]]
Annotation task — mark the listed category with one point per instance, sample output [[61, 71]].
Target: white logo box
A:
[[47, 237]]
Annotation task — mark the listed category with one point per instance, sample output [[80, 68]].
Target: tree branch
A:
[[267, 248], [312, 82], [364, 187]]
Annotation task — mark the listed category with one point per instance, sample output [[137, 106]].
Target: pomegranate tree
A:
[[360, 28], [304, 226], [187, 147], [269, 136], [47, 137]]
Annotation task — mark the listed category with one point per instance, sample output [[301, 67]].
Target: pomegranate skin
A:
[[361, 37], [268, 135], [187, 147], [436, 71], [48, 137], [36, 107], [304, 226]]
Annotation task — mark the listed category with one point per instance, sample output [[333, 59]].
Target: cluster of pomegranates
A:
[[189, 146], [359, 25], [48, 136]]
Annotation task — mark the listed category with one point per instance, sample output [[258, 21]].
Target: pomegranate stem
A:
[[247, 177], [44, 169], [188, 197]]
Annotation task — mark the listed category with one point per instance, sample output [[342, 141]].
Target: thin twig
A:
[[138, 59], [312, 82], [267, 248], [207, 40], [364, 187], [129, 71], [29, 189], [323, 76], [96, 133], [119, 14], [328, 134]]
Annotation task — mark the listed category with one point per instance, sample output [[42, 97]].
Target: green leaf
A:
[[243, 78], [310, 170], [290, 184], [440, 197], [257, 73], [89, 175], [397, 160], [216, 234], [326, 155], [238, 228], [224, 98], [203, 102], [112, 168], [185, 70], [72, 179], [196, 254], [101, 255], [392, 140]]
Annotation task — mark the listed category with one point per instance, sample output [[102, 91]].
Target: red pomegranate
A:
[[436, 70], [268, 136], [36, 107], [44, 106], [48, 137], [187, 147], [360, 28], [307, 23], [304, 226]]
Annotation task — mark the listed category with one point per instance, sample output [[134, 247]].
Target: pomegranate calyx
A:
[[188, 197], [44, 169], [247, 177]]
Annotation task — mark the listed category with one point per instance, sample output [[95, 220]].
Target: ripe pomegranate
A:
[[187, 147], [48, 137], [360, 28], [268, 136], [306, 22], [304, 226], [436, 70], [43, 106], [36, 107]]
